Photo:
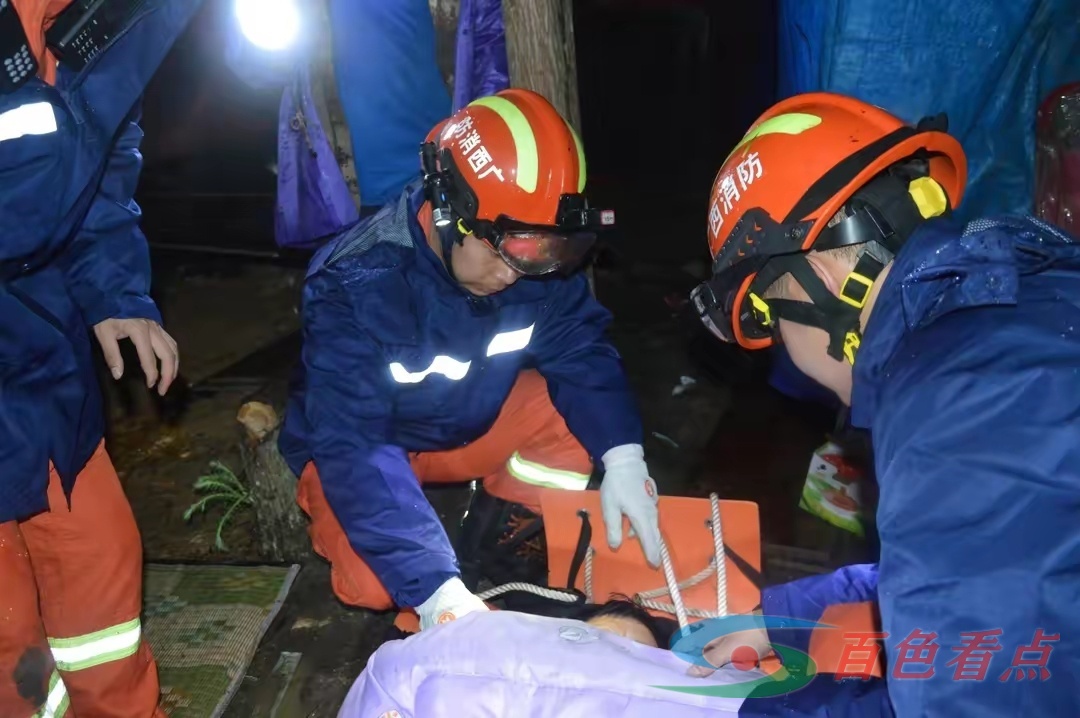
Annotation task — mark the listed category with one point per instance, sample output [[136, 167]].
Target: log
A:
[[282, 526]]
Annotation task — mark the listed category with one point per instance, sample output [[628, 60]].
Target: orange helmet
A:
[[510, 170], [819, 171]]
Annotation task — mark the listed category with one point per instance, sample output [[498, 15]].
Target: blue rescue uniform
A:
[[71, 253], [969, 379], [399, 358]]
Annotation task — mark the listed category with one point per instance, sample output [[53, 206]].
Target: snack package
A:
[[832, 490]]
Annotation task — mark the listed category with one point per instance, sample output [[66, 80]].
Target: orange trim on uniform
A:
[[37, 17], [527, 426], [837, 650], [351, 578]]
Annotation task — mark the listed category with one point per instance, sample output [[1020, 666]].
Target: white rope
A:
[[589, 553], [718, 556], [673, 588], [673, 585], [669, 608], [688, 583], [552, 593]]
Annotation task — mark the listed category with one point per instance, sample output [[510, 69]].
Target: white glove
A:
[[628, 489], [450, 601]]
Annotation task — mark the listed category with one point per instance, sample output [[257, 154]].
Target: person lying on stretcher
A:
[[612, 659], [623, 617], [842, 603]]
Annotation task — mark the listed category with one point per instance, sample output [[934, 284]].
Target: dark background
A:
[[667, 87]]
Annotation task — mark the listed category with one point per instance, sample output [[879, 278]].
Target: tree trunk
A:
[[444, 14], [540, 51], [282, 527], [541, 54]]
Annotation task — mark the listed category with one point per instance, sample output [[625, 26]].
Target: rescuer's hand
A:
[[152, 344], [743, 649], [449, 602], [628, 490]]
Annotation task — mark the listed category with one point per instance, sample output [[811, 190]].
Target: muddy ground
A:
[[711, 424]]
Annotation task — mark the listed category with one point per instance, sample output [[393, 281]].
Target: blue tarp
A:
[[987, 63]]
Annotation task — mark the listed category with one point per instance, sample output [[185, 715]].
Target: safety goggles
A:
[[731, 309], [540, 250], [537, 249], [759, 251]]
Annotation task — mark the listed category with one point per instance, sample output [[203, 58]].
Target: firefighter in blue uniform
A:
[[426, 360], [958, 346], [72, 258]]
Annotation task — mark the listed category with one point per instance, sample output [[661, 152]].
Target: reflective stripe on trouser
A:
[[71, 583], [545, 477], [93, 649], [73, 654], [56, 700], [527, 449]]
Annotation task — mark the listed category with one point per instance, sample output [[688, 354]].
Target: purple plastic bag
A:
[[314, 202], [480, 64]]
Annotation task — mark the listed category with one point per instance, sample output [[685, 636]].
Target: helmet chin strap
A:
[[839, 316], [881, 218], [449, 235]]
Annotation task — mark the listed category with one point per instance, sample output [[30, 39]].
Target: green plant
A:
[[221, 486]]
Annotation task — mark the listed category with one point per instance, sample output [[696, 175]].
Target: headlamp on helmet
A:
[[531, 249]]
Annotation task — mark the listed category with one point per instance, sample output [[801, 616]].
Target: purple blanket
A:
[[512, 664]]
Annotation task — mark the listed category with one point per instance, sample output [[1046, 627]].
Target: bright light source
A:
[[269, 24]]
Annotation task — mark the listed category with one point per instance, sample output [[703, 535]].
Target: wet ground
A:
[[711, 424]]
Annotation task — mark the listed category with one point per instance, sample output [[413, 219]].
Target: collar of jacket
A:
[[945, 266]]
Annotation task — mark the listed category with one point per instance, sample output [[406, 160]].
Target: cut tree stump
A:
[[282, 526]]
